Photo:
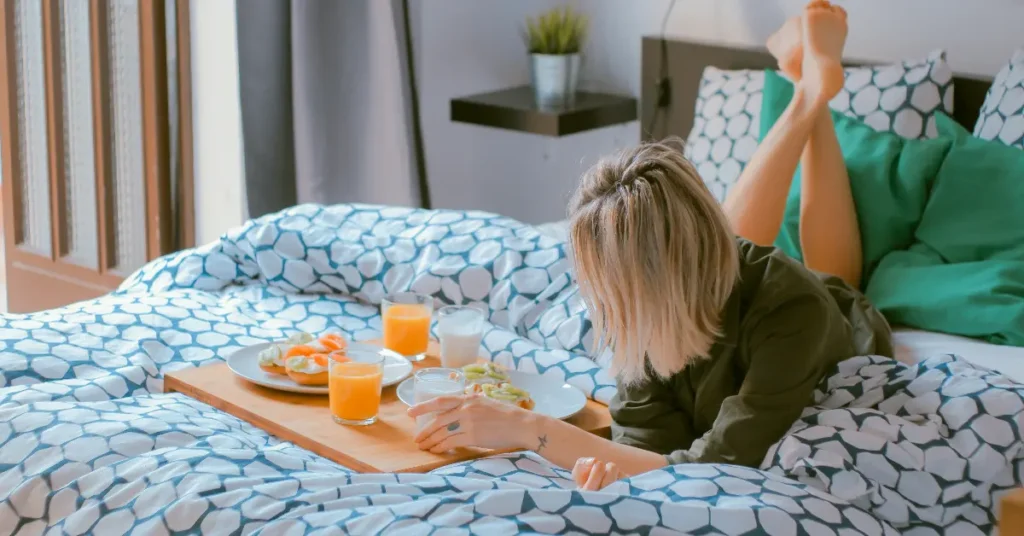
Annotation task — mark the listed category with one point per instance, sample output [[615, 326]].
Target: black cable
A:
[[414, 105], [662, 71]]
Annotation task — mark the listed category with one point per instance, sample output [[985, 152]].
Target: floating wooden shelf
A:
[[516, 109]]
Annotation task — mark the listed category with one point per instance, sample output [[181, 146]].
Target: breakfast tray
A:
[[305, 420]]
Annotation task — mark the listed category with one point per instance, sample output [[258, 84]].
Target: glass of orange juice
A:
[[353, 386], [406, 320]]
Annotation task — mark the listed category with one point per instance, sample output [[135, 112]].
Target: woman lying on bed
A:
[[718, 342]]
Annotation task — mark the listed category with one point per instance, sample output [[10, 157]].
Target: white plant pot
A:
[[554, 78]]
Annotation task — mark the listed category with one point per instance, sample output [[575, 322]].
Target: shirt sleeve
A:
[[790, 348], [647, 415]]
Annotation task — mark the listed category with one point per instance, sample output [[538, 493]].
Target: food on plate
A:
[[299, 338], [492, 381], [274, 359], [302, 350], [309, 369], [509, 394], [333, 342], [480, 374]]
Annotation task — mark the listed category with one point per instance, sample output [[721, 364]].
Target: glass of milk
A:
[[460, 330], [430, 383]]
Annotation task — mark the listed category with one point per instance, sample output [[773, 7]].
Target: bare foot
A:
[[787, 45], [824, 35]]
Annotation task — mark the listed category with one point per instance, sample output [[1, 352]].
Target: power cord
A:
[[664, 85], [419, 149]]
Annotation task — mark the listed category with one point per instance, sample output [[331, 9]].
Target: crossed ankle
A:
[[808, 99]]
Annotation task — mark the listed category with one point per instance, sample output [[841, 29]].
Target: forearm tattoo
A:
[[542, 441]]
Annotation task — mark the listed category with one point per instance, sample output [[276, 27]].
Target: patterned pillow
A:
[[726, 124], [900, 98], [1002, 114]]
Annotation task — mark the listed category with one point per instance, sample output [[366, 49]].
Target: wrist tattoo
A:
[[453, 426], [542, 441]]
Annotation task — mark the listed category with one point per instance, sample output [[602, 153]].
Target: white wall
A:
[[469, 46], [525, 176], [529, 177], [979, 35], [216, 115]]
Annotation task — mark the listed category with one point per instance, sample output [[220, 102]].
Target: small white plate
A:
[[245, 363], [551, 397]]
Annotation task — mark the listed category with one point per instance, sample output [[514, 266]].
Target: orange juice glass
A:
[[353, 385], [406, 320]]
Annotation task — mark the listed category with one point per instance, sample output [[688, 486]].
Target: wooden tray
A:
[[305, 420]]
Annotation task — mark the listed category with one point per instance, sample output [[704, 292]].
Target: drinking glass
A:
[[460, 330], [431, 383], [406, 320], [353, 386]]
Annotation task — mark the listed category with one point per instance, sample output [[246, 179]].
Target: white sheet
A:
[[916, 345]]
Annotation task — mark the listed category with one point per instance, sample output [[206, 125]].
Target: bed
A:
[[90, 444]]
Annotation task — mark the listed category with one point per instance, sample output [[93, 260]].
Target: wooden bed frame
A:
[[683, 63]]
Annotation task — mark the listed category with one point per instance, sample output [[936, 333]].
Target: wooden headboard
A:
[[684, 63]]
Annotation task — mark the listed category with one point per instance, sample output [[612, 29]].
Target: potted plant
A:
[[554, 39]]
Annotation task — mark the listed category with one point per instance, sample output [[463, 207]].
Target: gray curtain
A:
[[326, 98]]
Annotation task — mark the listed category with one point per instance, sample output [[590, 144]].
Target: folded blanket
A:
[[88, 443]]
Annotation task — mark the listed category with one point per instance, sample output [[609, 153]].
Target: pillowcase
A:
[[965, 273], [726, 126], [902, 98], [974, 212], [890, 178], [1002, 114]]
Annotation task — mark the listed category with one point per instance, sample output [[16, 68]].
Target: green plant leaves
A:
[[557, 31]]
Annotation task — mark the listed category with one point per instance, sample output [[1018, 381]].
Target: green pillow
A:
[[890, 178], [965, 273], [975, 299], [976, 209]]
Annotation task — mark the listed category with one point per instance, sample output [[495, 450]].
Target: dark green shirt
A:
[[783, 329]]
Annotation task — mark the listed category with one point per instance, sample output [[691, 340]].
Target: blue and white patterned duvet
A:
[[88, 444]]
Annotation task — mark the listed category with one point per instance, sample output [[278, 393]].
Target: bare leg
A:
[[829, 234], [756, 204]]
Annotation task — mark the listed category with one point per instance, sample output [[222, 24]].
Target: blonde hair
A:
[[655, 258]]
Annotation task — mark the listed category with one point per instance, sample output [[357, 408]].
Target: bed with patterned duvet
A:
[[90, 444]]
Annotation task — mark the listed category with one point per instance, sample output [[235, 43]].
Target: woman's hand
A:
[[471, 421], [593, 475]]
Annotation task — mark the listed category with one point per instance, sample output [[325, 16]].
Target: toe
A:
[[818, 5]]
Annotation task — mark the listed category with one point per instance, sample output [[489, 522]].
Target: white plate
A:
[[245, 363], [551, 397]]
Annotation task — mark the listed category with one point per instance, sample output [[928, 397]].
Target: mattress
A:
[[913, 346]]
